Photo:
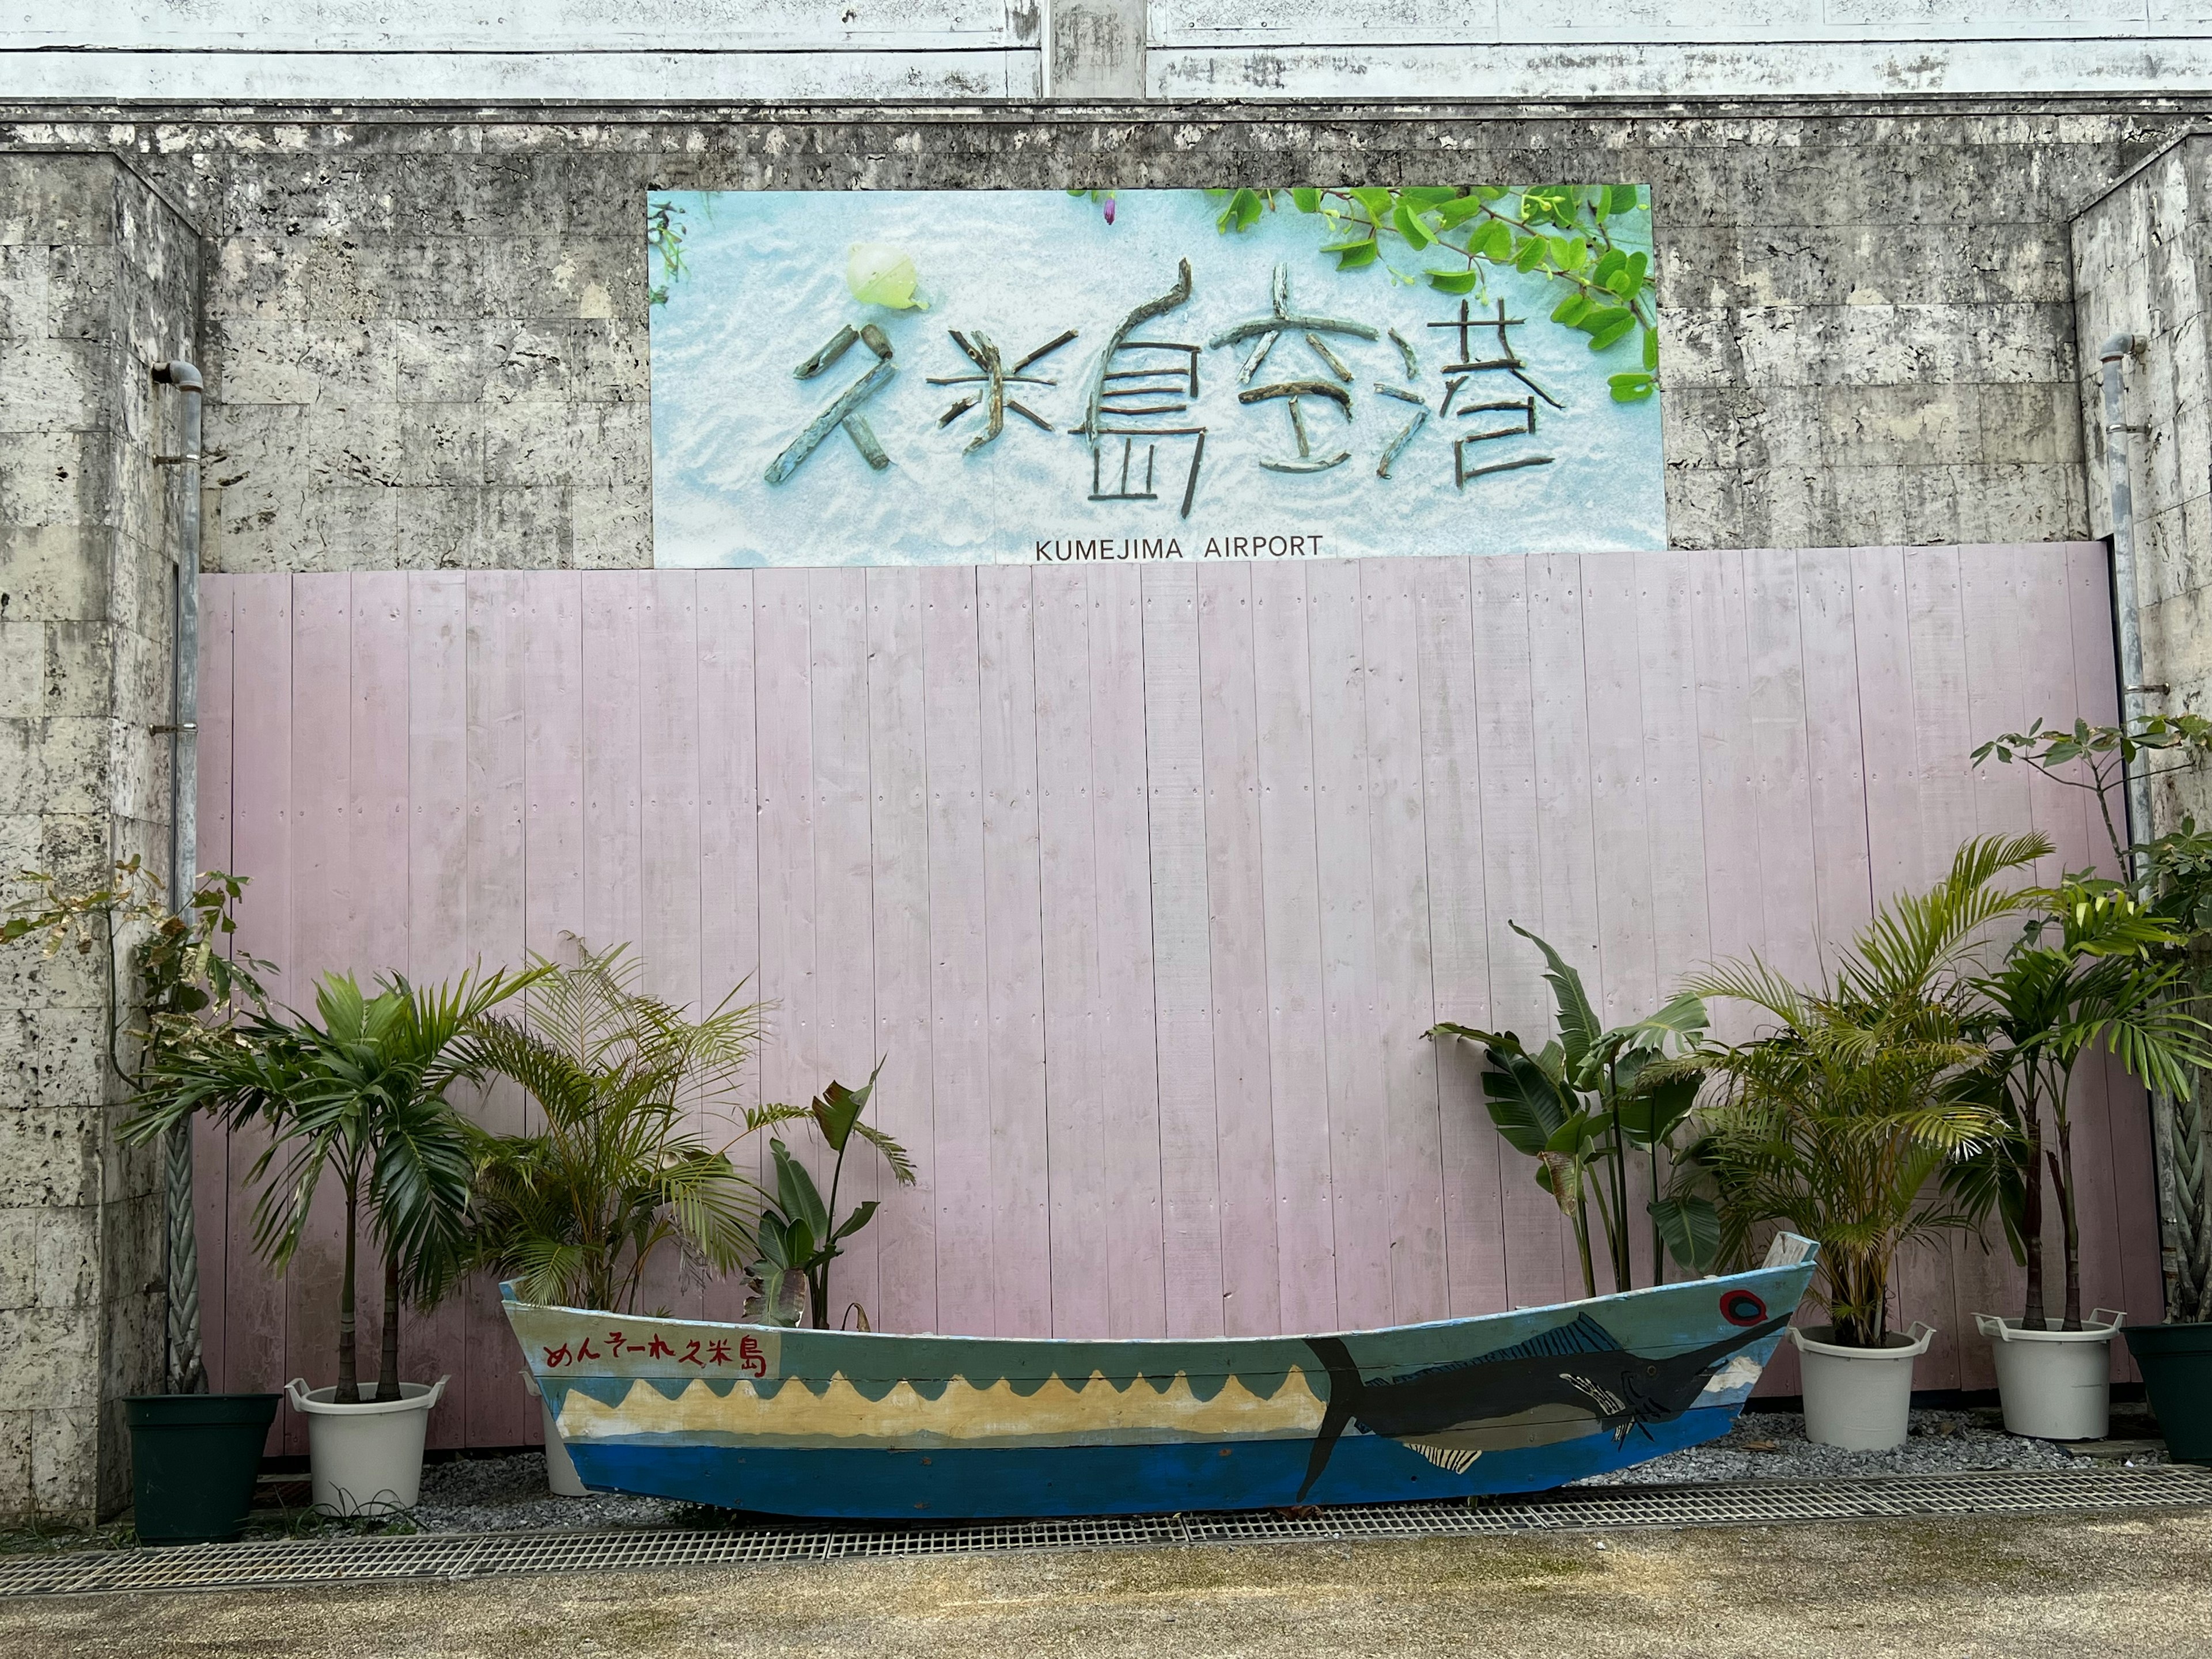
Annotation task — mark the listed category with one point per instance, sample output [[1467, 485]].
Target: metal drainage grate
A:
[[452, 1556]]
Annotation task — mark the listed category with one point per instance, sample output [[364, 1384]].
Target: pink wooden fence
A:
[[1145, 881]]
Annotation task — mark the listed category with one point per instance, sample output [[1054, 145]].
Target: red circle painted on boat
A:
[[1742, 1307]]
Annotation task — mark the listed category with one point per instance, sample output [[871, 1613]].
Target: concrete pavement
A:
[[2136, 1584]]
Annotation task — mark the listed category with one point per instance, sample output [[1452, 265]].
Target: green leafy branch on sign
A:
[[1579, 236], [663, 245]]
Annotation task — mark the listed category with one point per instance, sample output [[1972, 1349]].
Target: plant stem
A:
[[2062, 1175], [349, 1392], [1658, 1253], [388, 1358], [2032, 1316]]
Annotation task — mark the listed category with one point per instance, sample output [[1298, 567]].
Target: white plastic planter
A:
[[1859, 1399], [2055, 1385], [559, 1468], [367, 1458]]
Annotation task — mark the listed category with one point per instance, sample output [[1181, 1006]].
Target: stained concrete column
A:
[[2143, 266], [98, 281]]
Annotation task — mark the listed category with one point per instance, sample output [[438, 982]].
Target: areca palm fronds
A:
[[575, 1210], [357, 1092], [1858, 1091], [2097, 970]]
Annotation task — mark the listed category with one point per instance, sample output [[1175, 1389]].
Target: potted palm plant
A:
[[2095, 972], [1837, 1117], [575, 1212], [2171, 875], [358, 1093], [194, 1454]]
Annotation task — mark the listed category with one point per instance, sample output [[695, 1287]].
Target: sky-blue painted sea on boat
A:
[[1526, 451]]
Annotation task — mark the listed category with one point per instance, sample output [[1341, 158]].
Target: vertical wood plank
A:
[[1728, 768], [2127, 1110], [615, 603], [783, 659], [1881, 639], [1181, 970], [845, 1031], [904, 1104], [1612, 683], [553, 761], [1942, 742], [1451, 770], [254, 1333], [1014, 952], [1358, 1099], [1129, 1057], [668, 895], [1406, 1002], [959, 1037], [1536, 1249], [1775, 650], [212, 1173], [1567, 893], [1068, 869], [1237, 949], [436, 848], [1289, 886], [1673, 805], [321, 942], [2049, 690], [501, 1413], [729, 842], [376, 849], [1998, 683], [1843, 880]]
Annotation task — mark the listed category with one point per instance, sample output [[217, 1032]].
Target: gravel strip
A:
[[1772, 1446], [508, 1494]]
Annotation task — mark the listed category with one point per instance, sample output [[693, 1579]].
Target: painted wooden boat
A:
[[829, 1422]]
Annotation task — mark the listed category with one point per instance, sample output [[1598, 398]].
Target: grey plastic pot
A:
[[1859, 1399], [2055, 1385], [366, 1459]]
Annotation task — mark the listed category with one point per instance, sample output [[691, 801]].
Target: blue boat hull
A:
[[1010, 1482], [859, 1425]]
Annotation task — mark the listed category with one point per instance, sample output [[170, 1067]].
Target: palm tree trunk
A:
[[387, 1358], [2032, 1316], [349, 1392], [2062, 1176]]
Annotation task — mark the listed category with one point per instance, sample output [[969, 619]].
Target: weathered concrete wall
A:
[[428, 342], [2145, 268], [97, 281]]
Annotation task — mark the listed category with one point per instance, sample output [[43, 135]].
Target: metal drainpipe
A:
[[187, 1374]]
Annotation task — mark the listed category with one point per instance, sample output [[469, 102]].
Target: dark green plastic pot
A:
[[2176, 1361], [193, 1458]]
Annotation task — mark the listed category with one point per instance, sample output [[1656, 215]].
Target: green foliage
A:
[[356, 1093], [575, 1211], [190, 976], [2169, 881], [1591, 241], [1584, 1103], [1861, 1089], [802, 1235], [664, 251], [2098, 757]]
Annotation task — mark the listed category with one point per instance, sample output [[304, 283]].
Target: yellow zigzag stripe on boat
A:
[[963, 1415]]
